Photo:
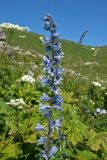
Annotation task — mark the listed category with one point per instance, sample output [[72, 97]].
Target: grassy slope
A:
[[75, 55]]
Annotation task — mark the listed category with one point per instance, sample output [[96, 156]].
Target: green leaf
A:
[[86, 155], [11, 151]]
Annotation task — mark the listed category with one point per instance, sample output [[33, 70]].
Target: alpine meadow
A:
[[53, 96]]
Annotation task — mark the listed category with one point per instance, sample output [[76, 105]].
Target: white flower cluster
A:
[[97, 84], [22, 36], [19, 103], [14, 26], [91, 63], [28, 78], [100, 111], [93, 49]]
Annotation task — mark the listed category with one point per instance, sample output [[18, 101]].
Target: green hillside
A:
[[84, 92], [81, 59]]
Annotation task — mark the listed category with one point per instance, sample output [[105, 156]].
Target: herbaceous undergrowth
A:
[[51, 102]]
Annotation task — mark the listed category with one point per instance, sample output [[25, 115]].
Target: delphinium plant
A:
[[51, 101]]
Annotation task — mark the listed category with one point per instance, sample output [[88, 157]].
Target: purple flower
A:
[[43, 154], [45, 97], [55, 90], [57, 100], [57, 59], [57, 123], [42, 140], [47, 25], [48, 48], [53, 27], [44, 108], [52, 79], [56, 35], [58, 53], [57, 79], [47, 115], [39, 127], [53, 151], [47, 17], [44, 81], [46, 39], [58, 108], [56, 47], [51, 71], [47, 62], [58, 71]]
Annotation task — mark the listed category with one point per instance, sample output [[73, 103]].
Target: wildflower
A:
[[57, 100], [42, 140], [58, 108], [101, 111], [44, 155], [20, 36], [44, 108], [14, 26], [45, 97], [28, 78], [52, 79], [98, 110], [55, 90], [41, 38], [39, 127], [93, 49], [44, 81], [20, 107], [53, 151], [97, 84], [17, 103], [57, 123]]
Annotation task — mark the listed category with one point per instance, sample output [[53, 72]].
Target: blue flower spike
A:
[[51, 101]]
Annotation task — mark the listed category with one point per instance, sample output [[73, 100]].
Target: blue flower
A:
[[58, 71], [53, 27], [58, 53], [45, 97], [51, 80], [39, 127], [57, 79], [51, 71], [44, 108], [58, 108], [55, 90], [57, 123], [47, 25], [56, 47], [48, 48], [46, 39], [42, 140], [43, 154], [47, 62], [55, 35], [44, 81], [47, 115], [57, 100], [53, 151]]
